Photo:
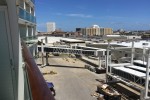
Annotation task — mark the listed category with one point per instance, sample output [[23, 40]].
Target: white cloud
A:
[[75, 15], [80, 15]]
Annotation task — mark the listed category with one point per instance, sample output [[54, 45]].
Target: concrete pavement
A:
[[72, 81]]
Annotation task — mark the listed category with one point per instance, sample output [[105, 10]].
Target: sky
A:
[[71, 14]]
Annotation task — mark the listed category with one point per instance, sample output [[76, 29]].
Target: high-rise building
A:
[[51, 26], [106, 31]]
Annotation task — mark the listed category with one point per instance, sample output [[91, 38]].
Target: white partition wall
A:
[[6, 67]]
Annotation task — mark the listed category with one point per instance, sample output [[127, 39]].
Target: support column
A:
[[42, 51], [100, 62], [21, 78], [144, 51], [46, 40], [47, 59], [107, 58], [143, 55], [31, 10], [24, 5], [37, 51], [110, 61], [132, 52], [32, 31], [107, 61], [27, 32], [147, 76]]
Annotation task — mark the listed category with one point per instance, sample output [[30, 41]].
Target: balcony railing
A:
[[23, 14], [31, 39]]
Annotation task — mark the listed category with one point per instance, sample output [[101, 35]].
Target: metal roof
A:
[[131, 71], [119, 65], [140, 62], [136, 68], [137, 44]]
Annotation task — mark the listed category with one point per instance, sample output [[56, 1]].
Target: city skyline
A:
[[117, 14]]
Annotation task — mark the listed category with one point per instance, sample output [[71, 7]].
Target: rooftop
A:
[[137, 44]]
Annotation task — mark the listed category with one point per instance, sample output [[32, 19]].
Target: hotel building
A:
[[95, 30]]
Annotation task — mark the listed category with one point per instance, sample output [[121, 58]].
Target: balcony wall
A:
[[23, 14]]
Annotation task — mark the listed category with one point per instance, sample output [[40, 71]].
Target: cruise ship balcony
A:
[[33, 1], [32, 44], [26, 17]]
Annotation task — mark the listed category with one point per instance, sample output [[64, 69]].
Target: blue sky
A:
[[117, 14]]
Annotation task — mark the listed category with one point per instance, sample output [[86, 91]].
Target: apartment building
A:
[[106, 31], [95, 30]]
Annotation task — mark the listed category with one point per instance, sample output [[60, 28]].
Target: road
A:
[[72, 81]]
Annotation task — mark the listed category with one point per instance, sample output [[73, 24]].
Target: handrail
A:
[[39, 88], [29, 38]]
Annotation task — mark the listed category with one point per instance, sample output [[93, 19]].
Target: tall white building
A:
[[51, 26]]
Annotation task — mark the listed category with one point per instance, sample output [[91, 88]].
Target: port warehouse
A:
[[129, 72], [133, 74], [122, 49], [119, 50]]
